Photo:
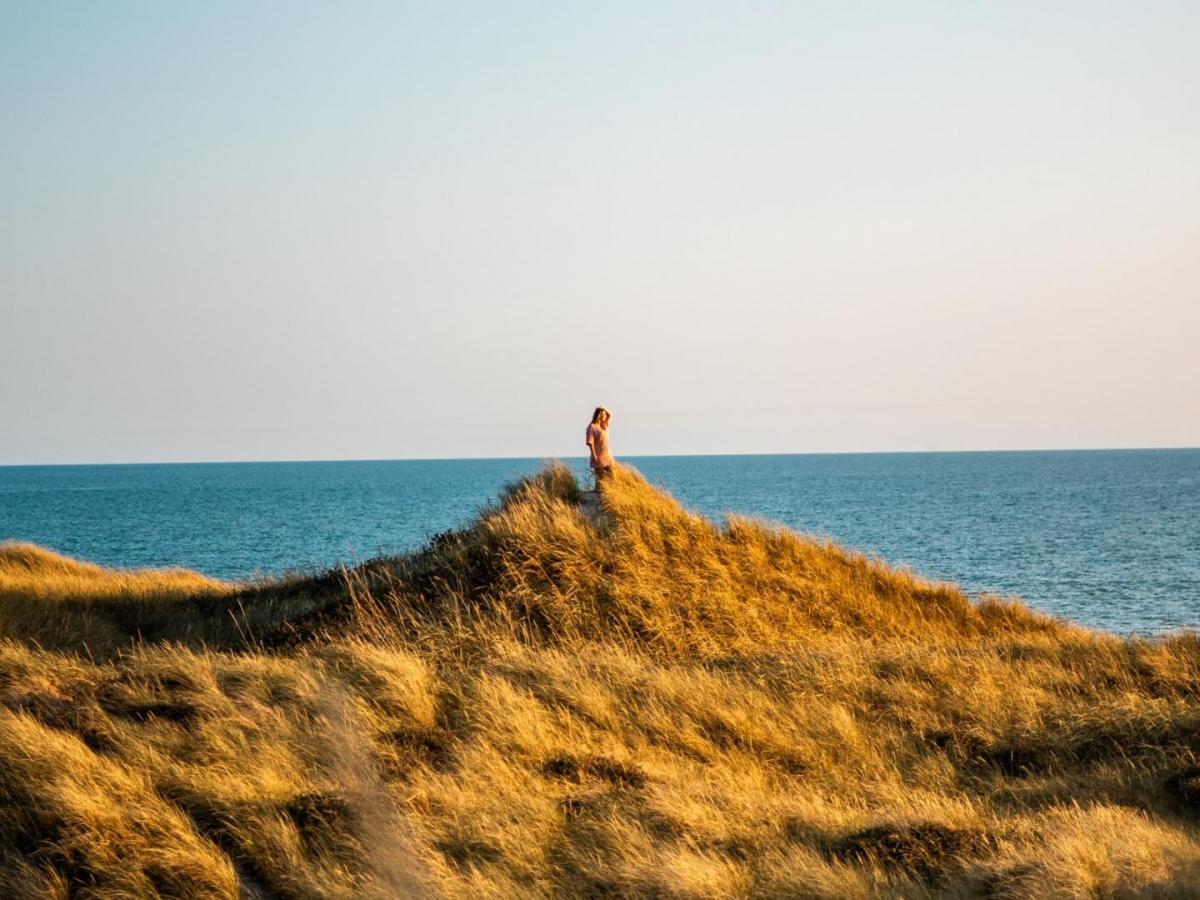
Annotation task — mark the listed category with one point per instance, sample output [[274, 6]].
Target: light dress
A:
[[597, 439]]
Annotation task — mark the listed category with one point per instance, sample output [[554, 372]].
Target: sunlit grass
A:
[[639, 702]]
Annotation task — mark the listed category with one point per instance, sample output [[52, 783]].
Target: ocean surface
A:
[[1107, 538]]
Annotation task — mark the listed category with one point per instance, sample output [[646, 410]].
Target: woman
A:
[[597, 440]]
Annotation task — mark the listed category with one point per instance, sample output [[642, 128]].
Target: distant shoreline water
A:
[[577, 458], [1109, 538]]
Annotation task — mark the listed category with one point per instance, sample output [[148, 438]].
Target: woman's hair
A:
[[598, 414]]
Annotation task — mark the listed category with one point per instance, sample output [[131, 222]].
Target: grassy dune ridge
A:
[[556, 702]]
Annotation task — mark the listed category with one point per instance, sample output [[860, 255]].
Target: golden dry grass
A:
[[636, 703]]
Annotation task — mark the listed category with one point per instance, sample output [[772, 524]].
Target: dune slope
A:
[[634, 702]]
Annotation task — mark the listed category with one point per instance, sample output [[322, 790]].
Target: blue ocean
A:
[[1107, 538]]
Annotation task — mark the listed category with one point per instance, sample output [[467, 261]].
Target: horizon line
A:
[[551, 456]]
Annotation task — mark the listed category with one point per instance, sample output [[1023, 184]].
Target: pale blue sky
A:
[[289, 231]]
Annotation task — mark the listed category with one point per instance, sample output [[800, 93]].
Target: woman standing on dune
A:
[[597, 440]]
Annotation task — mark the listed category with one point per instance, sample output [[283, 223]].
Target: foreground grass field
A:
[[550, 702]]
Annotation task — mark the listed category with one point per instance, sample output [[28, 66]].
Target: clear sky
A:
[[292, 230]]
